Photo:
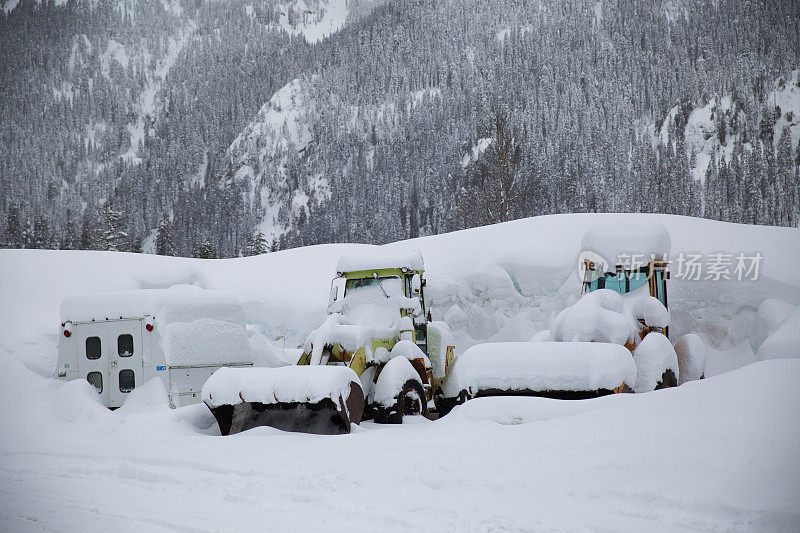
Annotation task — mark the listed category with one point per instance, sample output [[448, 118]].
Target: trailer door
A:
[[93, 357], [124, 359]]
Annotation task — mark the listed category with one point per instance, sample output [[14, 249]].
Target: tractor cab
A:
[[379, 283], [625, 279]]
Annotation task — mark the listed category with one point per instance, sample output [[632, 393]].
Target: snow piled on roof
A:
[[194, 326], [312, 384], [181, 303], [612, 240], [376, 257], [541, 366]]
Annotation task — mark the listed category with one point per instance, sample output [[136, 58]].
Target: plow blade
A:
[[324, 400]]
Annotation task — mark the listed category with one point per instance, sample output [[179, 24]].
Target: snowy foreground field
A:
[[718, 454]]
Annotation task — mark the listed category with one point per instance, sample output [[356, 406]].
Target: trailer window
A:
[[93, 348], [96, 379], [127, 381], [125, 345]]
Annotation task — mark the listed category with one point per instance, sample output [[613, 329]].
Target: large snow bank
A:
[[784, 342], [540, 366], [494, 283], [376, 257], [722, 361], [312, 384], [613, 240], [653, 357]]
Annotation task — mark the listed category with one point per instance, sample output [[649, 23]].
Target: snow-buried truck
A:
[[117, 341], [378, 350]]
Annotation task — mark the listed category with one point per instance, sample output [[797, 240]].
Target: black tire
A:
[[668, 379], [445, 405], [410, 401]]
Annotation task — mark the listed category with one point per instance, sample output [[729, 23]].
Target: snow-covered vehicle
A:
[[612, 339], [379, 325], [120, 340], [378, 329]]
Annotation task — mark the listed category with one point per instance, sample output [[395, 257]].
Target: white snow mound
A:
[[375, 257], [540, 366], [769, 317], [606, 316], [653, 357], [784, 342], [611, 240], [393, 376], [692, 354], [312, 384]]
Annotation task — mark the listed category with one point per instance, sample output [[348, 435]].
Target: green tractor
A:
[[380, 326]]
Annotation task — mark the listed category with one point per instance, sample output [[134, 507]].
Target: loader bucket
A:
[[243, 399], [327, 417]]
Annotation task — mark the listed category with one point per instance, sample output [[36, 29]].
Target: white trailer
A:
[[118, 341]]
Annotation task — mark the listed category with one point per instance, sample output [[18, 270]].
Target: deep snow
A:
[[716, 454]]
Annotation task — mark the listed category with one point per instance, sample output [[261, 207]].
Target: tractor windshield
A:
[[373, 301], [379, 287]]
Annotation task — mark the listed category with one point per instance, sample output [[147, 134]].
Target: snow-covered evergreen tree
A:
[[256, 245], [205, 250], [69, 239], [13, 236], [115, 234], [164, 237]]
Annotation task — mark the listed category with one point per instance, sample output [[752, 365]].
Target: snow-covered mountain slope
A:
[[500, 283], [784, 103], [711, 131], [315, 20], [278, 154]]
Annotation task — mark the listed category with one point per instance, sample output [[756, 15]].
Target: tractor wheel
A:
[[667, 380], [410, 401]]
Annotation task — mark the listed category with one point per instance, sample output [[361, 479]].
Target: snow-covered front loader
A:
[[379, 326], [613, 339], [377, 355]]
